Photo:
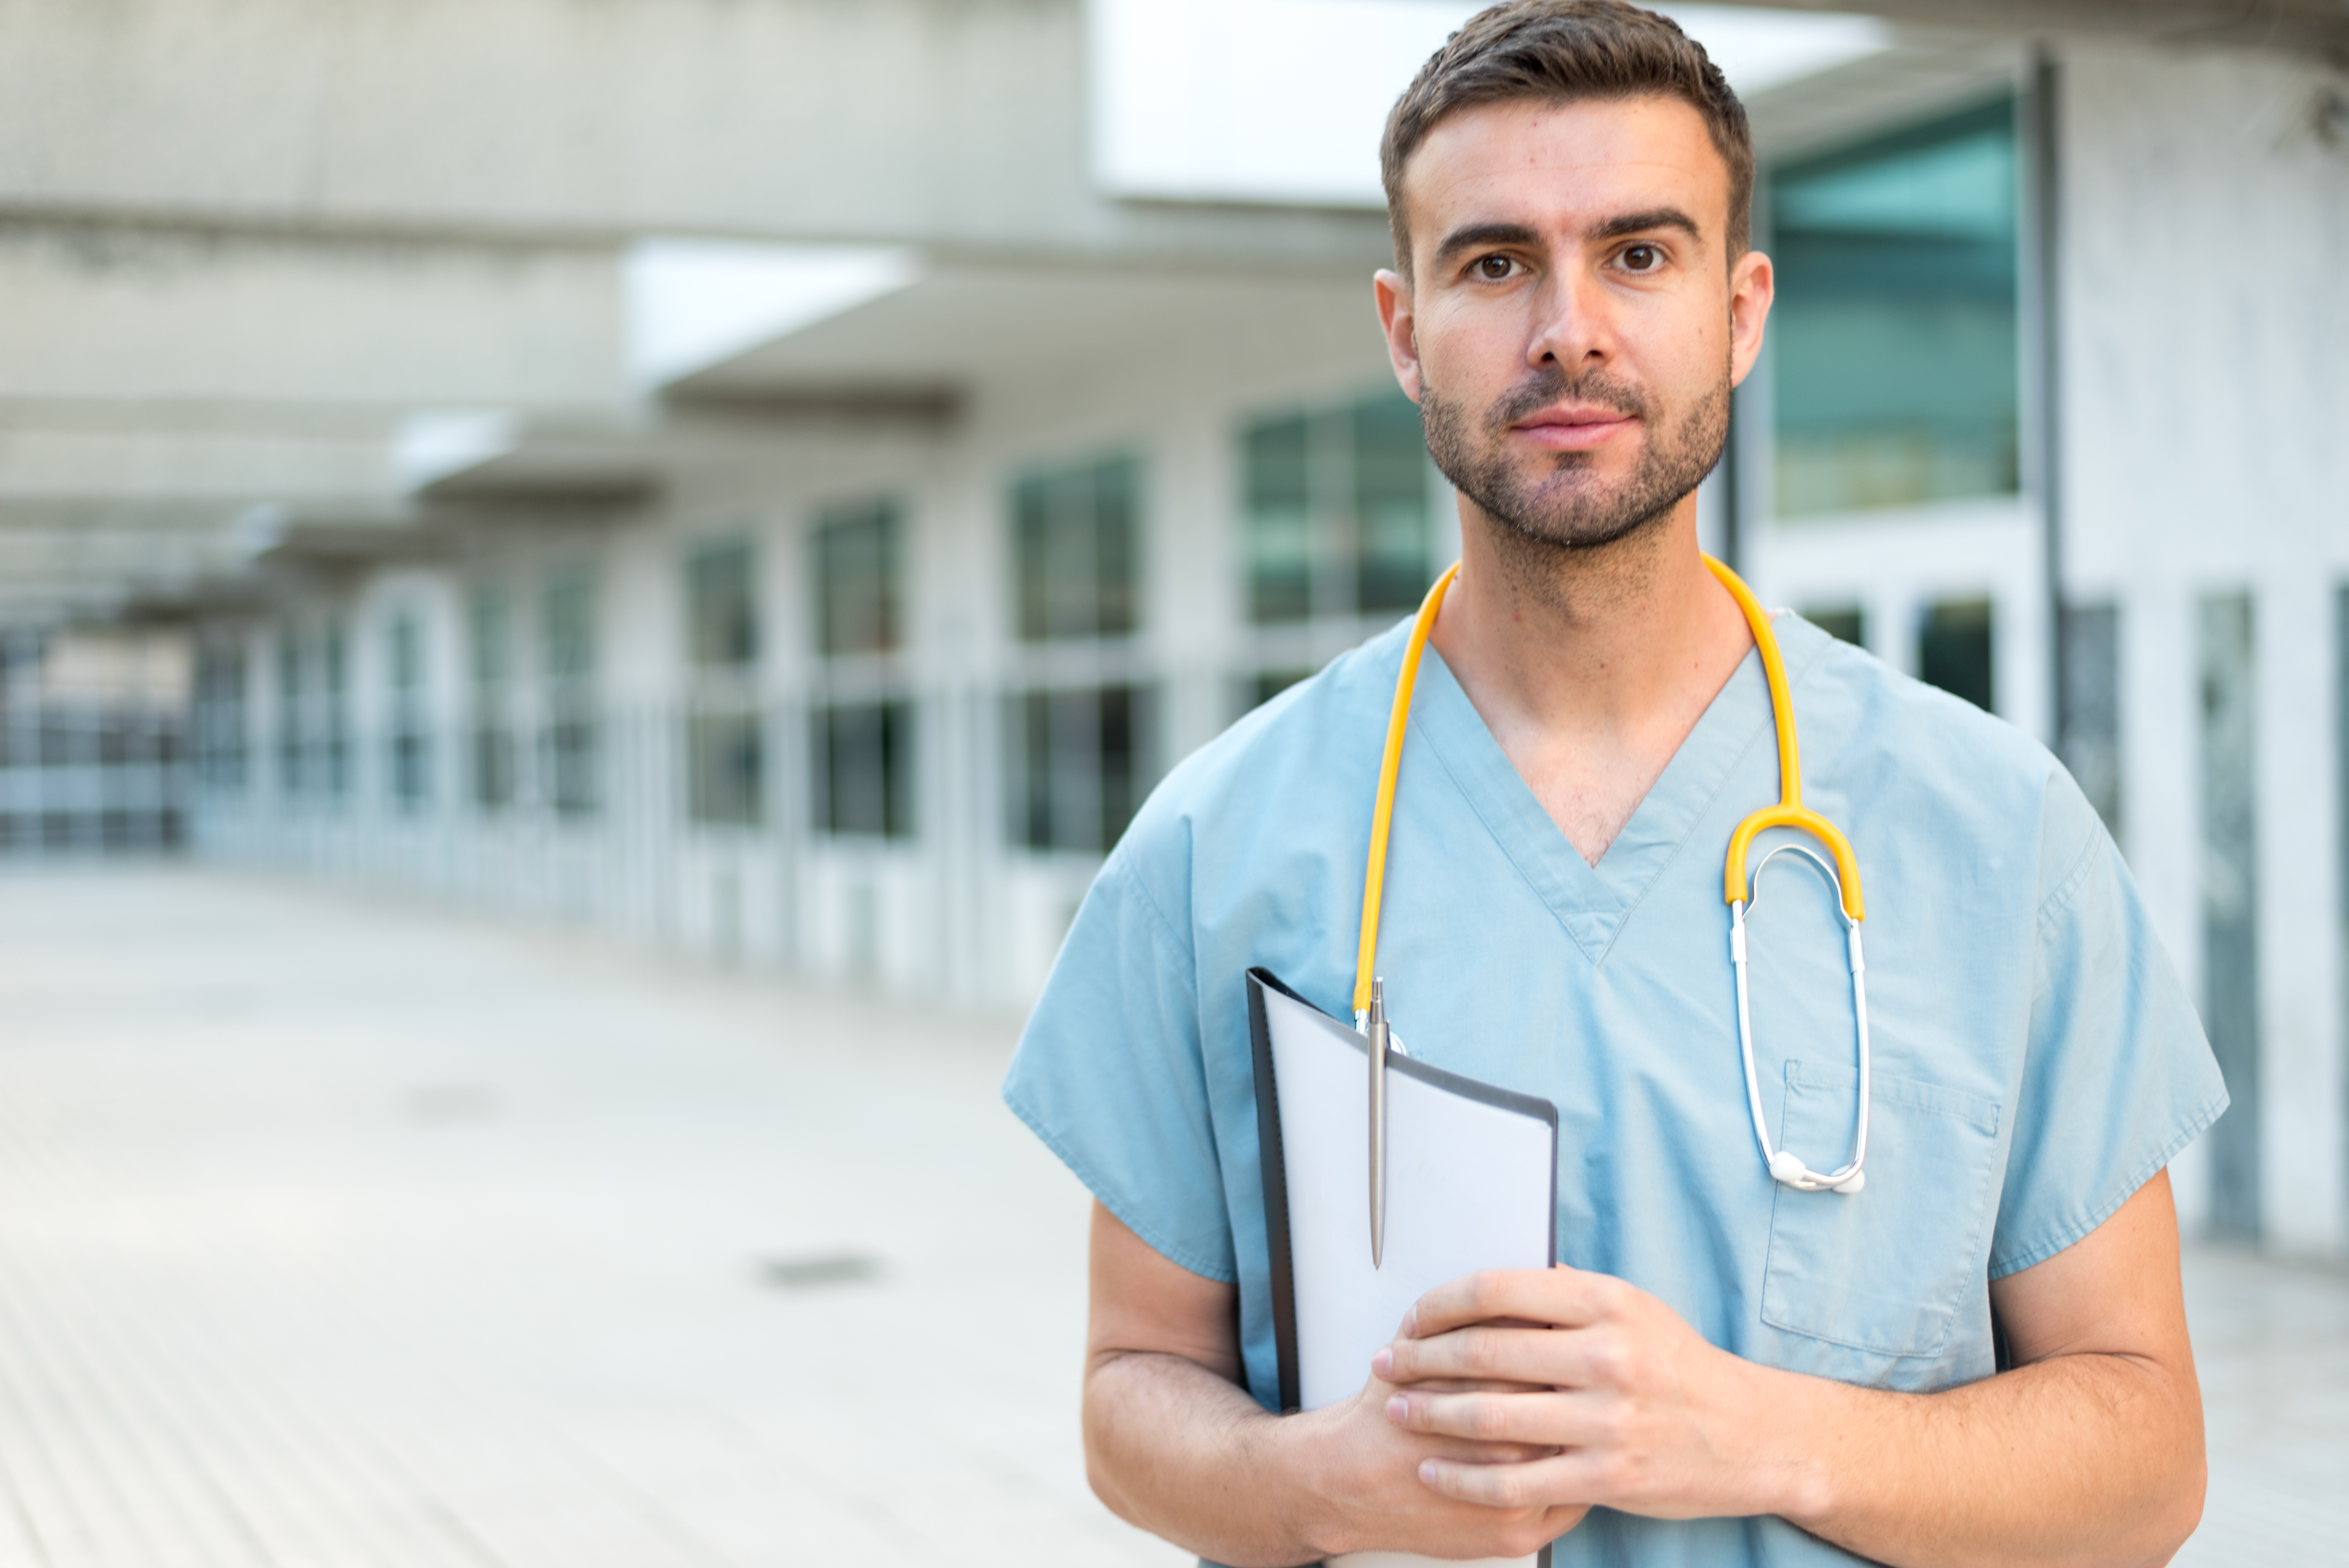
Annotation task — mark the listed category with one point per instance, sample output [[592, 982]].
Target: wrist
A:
[[1299, 1455], [1790, 1421]]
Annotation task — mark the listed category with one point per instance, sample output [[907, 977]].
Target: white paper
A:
[[1469, 1187]]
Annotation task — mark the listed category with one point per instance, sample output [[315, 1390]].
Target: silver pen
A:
[[1378, 1038]]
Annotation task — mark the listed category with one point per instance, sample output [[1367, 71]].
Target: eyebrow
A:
[[1475, 236], [1641, 222]]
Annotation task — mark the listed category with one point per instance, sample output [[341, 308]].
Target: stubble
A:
[[1566, 510]]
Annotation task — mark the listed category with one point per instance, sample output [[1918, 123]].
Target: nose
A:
[[1571, 327]]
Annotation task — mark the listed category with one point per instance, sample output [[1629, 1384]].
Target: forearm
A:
[[1179, 1451], [2077, 1460]]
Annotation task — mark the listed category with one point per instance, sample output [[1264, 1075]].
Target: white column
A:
[[2302, 1137], [2161, 828]]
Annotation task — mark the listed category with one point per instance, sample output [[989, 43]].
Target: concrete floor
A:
[[337, 1230]]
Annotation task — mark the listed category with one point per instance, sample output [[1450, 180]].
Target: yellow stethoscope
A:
[[1370, 999]]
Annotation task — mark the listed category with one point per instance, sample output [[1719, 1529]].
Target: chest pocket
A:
[[1882, 1270]]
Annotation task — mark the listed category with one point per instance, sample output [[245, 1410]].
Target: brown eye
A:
[[1642, 259], [1494, 268]]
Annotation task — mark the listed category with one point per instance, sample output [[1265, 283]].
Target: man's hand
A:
[[1174, 1445], [1365, 1476], [1651, 1418], [2089, 1452]]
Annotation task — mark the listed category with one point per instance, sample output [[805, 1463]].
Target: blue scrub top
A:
[[2036, 1057]]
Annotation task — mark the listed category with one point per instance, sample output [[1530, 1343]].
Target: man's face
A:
[[1574, 325]]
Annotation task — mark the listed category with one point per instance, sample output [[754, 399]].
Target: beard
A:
[[1568, 507]]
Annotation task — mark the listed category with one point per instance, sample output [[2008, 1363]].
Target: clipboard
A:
[[1472, 1183]]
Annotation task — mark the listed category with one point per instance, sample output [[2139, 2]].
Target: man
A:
[[1730, 1370]]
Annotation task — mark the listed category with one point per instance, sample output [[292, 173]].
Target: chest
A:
[[1591, 784]]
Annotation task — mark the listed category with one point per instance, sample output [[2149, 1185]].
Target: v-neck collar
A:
[[1593, 904]]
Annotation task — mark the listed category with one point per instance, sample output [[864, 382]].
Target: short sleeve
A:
[[2118, 1078], [1108, 1074]]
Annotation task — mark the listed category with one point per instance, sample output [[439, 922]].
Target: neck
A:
[[1590, 666]]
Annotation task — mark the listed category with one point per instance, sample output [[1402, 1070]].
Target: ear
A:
[[1395, 319], [1753, 284]]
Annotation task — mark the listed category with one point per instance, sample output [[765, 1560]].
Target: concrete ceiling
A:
[[217, 331], [964, 329]]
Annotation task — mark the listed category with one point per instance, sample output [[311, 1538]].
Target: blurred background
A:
[[585, 582]]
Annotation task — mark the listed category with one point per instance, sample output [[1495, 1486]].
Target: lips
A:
[[1573, 429]]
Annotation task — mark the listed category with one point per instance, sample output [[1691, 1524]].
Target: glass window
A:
[[1074, 537], [866, 768], [290, 726], [726, 766], [1261, 688], [410, 759], [1894, 364], [1954, 652], [1077, 755], [1336, 510], [1389, 504], [1279, 520], [725, 753], [335, 662], [2230, 929], [568, 617], [1081, 765], [567, 632], [220, 713], [493, 640], [722, 606], [861, 748], [857, 579], [2088, 733], [1848, 622], [492, 699]]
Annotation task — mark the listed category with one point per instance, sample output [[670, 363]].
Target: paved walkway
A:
[[342, 1232]]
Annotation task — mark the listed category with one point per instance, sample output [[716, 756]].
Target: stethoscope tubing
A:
[[1842, 874], [1847, 1178]]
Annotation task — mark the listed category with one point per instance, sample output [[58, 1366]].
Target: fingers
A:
[[1469, 1451], [1616, 1355], [1483, 1355], [1566, 1480], [1544, 1422], [1376, 1396], [1560, 1296], [1479, 1385]]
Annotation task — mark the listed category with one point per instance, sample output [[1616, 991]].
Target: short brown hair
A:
[[1559, 51]]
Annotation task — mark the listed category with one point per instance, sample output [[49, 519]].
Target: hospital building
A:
[[783, 480]]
